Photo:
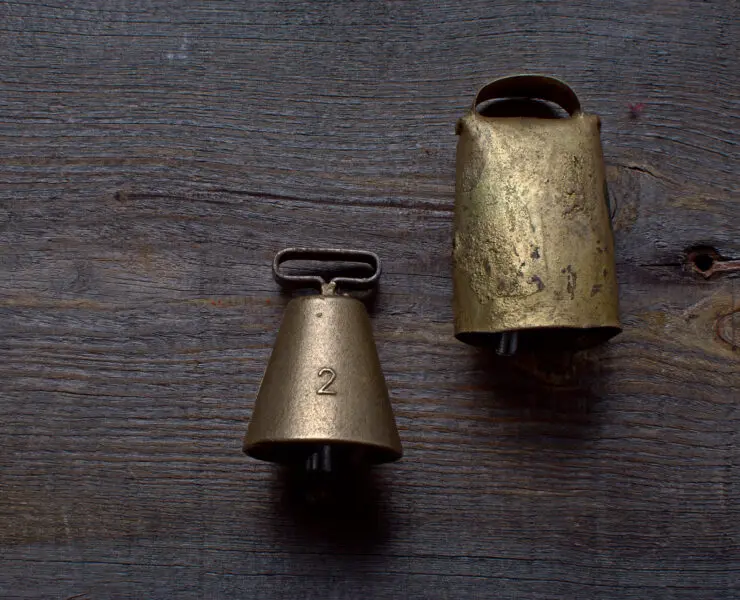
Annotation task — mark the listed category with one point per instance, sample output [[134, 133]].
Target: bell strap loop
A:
[[530, 86], [292, 282]]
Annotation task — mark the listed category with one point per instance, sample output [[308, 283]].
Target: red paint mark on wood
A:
[[636, 109]]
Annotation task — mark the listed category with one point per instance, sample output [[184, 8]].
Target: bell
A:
[[323, 401], [533, 250]]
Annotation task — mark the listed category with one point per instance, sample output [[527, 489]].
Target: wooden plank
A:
[[154, 156]]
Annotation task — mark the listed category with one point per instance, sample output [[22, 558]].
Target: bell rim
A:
[[277, 451], [570, 336]]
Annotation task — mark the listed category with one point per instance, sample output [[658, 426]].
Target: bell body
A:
[[533, 249], [323, 387]]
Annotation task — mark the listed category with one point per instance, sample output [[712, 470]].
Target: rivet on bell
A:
[[323, 403]]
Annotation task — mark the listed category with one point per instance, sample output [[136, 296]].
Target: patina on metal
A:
[[323, 402], [533, 249]]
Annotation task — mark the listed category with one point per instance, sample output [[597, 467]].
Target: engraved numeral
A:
[[324, 389]]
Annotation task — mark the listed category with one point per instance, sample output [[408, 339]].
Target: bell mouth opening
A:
[[326, 456], [543, 338]]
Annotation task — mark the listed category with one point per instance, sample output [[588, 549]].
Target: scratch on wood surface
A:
[[182, 52], [645, 170], [65, 518]]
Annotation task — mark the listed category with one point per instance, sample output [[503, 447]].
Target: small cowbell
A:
[[533, 251], [323, 402]]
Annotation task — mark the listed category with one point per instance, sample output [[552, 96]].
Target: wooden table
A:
[[153, 158]]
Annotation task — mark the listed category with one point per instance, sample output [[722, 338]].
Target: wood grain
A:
[[155, 155]]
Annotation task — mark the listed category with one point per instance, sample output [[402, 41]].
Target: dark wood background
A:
[[154, 155]]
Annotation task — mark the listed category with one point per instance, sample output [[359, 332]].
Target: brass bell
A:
[[533, 250], [323, 402]]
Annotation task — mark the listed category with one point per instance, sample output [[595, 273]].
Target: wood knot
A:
[[707, 261], [728, 329]]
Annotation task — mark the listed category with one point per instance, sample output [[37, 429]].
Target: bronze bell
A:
[[533, 250], [323, 402]]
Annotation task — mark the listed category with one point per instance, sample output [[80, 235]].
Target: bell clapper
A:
[[320, 461], [507, 343]]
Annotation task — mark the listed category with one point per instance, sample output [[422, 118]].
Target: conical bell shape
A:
[[323, 387]]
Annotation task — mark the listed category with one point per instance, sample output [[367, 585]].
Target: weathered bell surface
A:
[[533, 249], [323, 402]]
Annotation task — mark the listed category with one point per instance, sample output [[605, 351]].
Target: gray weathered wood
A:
[[155, 155]]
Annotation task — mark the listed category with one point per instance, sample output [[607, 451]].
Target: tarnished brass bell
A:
[[323, 401], [533, 250]]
